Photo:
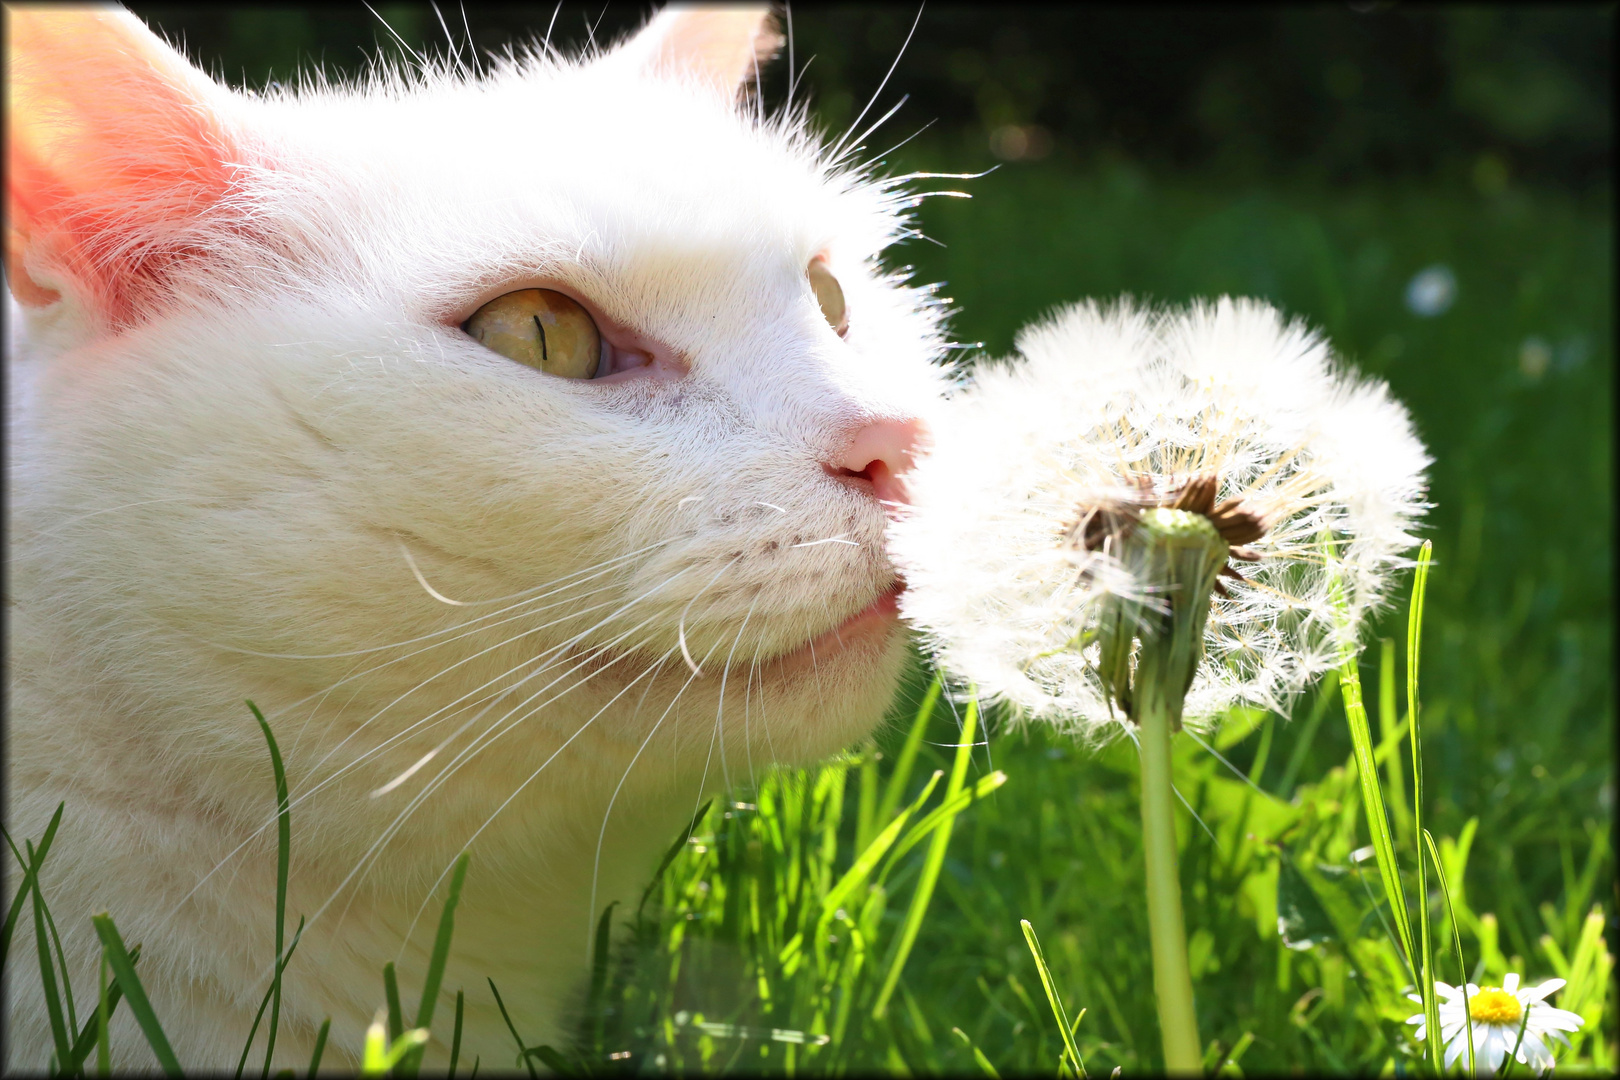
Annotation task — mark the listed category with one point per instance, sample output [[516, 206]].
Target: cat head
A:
[[572, 392]]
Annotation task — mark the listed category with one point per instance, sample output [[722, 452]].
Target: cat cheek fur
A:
[[479, 604]]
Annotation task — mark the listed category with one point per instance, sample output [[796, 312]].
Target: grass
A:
[[871, 914]]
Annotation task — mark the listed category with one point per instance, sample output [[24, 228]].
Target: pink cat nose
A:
[[879, 454]]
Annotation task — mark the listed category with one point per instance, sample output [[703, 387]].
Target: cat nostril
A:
[[881, 452]]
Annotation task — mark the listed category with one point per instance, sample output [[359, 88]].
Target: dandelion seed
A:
[[1020, 548], [1497, 1016]]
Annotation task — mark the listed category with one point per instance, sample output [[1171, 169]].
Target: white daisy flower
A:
[[1060, 490], [1497, 1015]]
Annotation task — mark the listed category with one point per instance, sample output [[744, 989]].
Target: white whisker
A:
[[829, 540], [754, 669], [837, 147], [686, 654], [725, 674], [422, 581], [885, 117], [406, 775]]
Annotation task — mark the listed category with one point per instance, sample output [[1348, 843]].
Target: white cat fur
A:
[[212, 496]]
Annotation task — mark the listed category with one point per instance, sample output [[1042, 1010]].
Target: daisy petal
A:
[[1454, 1050], [1489, 1049], [1537, 993], [1545, 1018], [1533, 1052]]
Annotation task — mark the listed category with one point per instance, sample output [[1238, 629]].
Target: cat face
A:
[[271, 460]]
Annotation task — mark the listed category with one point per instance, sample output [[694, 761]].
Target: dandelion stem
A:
[[1178, 555], [1172, 981]]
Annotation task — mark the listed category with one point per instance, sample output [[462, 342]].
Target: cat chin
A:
[[876, 623]]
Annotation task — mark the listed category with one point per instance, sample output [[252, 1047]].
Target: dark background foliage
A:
[[1333, 91]]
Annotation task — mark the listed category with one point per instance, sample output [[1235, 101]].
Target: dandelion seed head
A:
[[1123, 405]]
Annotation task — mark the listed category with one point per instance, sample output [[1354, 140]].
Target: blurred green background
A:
[[1431, 187]]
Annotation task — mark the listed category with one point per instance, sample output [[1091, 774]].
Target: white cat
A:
[[517, 443]]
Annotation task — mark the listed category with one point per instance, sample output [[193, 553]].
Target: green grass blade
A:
[[1388, 725], [1513, 1055], [978, 1055], [1414, 627], [320, 1047], [264, 1002], [669, 856], [409, 1042], [283, 857], [47, 979], [383, 1053], [396, 1015], [862, 868], [522, 1049], [601, 953], [901, 776], [124, 968], [934, 862], [90, 1036], [949, 808], [1414, 636], [1054, 1001], [866, 804], [30, 873], [455, 1037], [104, 1008], [61, 961], [436, 963], [1456, 940], [1372, 798]]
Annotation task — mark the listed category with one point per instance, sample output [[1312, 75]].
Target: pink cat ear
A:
[[720, 44], [114, 154]]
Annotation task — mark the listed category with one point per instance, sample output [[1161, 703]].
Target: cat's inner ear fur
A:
[[116, 153], [719, 45]]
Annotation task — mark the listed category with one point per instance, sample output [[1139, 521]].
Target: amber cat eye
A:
[[541, 328], [829, 294]]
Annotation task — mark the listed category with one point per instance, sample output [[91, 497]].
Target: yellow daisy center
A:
[[1493, 1006]]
